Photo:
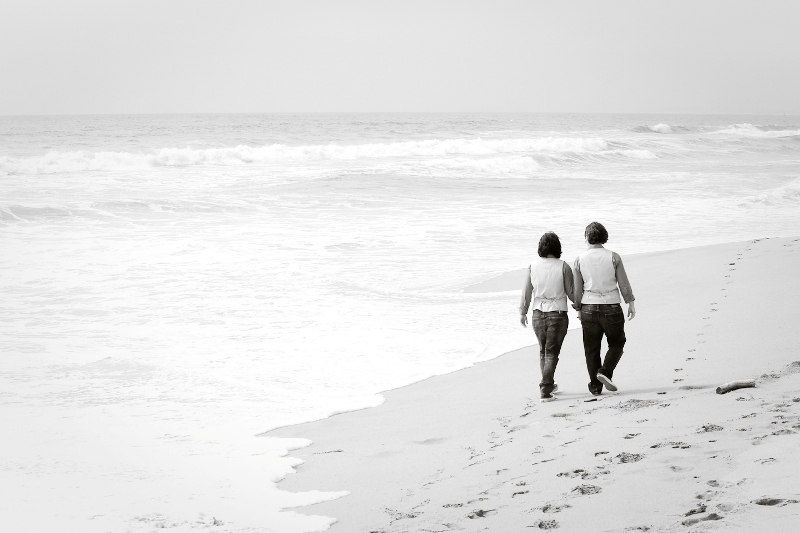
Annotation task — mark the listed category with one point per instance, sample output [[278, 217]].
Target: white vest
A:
[[599, 277], [547, 278]]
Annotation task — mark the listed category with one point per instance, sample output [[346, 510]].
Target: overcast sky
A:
[[66, 56]]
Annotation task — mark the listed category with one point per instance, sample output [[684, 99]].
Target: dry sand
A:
[[475, 450]]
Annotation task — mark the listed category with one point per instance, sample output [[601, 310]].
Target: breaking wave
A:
[[661, 128], [767, 131], [55, 162]]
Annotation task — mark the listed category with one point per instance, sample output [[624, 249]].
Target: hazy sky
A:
[[65, 56]]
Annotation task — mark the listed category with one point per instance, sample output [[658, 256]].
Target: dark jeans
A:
[[550, 328], [597, 320]]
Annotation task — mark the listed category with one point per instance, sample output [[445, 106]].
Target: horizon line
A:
[[211, 113]]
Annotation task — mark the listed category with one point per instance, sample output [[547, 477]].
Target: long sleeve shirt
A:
[[619, 273], [528, 289]]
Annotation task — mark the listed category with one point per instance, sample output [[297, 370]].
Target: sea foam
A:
[[750, 130], [661, 128], [54, 162]]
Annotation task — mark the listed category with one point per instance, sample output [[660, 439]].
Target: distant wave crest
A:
[[55, 162], [766, 131], [661, 128]]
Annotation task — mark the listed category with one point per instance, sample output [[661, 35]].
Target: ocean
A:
[[174, 285]]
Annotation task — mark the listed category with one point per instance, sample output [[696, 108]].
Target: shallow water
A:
[[191, 281]]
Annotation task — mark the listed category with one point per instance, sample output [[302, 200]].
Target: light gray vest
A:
[[599, 277], [547, 278]]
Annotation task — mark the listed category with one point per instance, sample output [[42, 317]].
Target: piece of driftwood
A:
[[733, 385]]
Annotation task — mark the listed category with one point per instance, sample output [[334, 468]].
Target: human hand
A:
[[631, 311], [523, 320]]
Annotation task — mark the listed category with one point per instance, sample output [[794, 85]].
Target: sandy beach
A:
[[475, 450]]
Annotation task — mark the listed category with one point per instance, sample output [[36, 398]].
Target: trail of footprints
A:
[[710, 505], [715, 307]]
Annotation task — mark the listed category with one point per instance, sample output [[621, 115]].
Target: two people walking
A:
[[596, 284]]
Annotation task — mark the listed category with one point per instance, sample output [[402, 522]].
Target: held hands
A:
[[523, 320], [631, 311]]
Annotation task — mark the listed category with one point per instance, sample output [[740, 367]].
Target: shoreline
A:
[[508, 281], [484, 412]]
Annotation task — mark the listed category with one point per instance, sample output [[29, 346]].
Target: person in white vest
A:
[[549, 283], [599, 279]]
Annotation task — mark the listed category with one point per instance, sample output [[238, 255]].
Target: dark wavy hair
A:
[[549, 244], [596, 233]]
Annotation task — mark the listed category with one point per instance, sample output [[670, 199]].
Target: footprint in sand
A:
[[709, 428], [672, 444], [397, 515], [693, 521], [481, 513], [707, 495], [698, 510], [583, 474], [546, 524], [586, 489], [626, 457], [504, 420], [777, 502], [555, 507]]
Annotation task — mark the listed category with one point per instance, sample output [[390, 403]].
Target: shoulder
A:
[[616, 258]]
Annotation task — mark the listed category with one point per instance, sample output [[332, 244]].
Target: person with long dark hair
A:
[[548, 285], [600, 277]]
